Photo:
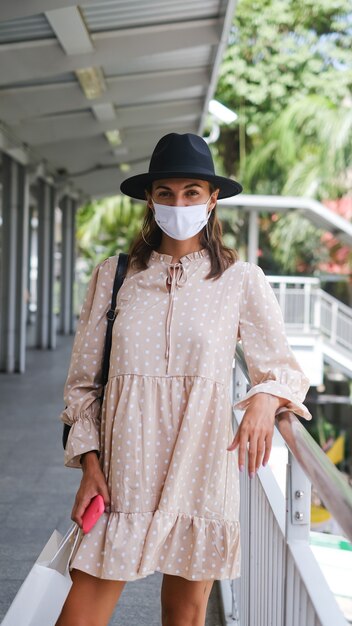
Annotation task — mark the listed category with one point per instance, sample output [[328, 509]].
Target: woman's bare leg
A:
[[184, 602], [91, 600]]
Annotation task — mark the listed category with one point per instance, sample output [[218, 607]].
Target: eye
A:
[[193, 193]]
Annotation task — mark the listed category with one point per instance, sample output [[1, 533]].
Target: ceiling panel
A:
[[109, 15], [79, 124], [25, 29], [200, 56]]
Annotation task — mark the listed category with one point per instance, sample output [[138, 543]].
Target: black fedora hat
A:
[[180, 156]]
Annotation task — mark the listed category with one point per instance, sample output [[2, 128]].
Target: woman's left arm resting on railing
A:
[[278, 382]]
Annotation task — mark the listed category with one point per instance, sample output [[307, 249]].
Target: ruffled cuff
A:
[[276, 389], [84, 435]]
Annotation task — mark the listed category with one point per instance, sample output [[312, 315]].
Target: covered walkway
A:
[[85, 93]]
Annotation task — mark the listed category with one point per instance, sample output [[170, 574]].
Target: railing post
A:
[[317, 310], [307, 305], [239, 383], [298, 501], [282, 299], [253, 237], [334, 314]]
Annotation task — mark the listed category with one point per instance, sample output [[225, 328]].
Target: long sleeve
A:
[[272, 365], [83, 387]]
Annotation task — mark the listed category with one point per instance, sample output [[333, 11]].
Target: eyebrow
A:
[[185, 187]]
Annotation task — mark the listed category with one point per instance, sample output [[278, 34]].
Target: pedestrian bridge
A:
[[319, 322]]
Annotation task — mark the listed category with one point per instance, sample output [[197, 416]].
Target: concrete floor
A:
[[37, 491]]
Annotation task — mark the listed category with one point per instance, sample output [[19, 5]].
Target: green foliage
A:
[[233, 222], [281, 50], [106, 227], [296, 244], [309, 146], [287, 74]]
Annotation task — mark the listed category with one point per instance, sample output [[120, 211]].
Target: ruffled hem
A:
[[84, 435], [129, 546], [276, 389]]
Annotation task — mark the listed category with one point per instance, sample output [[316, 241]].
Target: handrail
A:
[[294, 280], [322, 473], [313, 210]]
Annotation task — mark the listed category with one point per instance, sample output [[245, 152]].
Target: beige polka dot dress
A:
[[166, 418]]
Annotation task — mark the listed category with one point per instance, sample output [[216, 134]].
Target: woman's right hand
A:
[[93, 483]]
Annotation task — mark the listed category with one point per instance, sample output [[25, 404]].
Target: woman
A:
[[161, 448]]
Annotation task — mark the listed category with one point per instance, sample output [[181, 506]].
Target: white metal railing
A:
[[281, 583], [305, 307]]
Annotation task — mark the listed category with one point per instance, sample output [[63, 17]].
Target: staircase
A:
[[308, 310]]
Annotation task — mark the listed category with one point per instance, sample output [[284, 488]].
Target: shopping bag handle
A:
[[68, 537]]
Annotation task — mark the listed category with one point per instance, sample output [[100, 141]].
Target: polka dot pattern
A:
[[166, 418]]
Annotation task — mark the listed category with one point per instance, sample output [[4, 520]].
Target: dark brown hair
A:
[[221, 257]]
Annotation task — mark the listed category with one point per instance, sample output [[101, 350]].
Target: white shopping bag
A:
[[42, 595]]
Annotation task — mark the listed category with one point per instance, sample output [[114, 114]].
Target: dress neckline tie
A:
[[176, 277]]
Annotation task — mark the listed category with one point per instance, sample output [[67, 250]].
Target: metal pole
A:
[[45, 265], [73, 266], [67, 266], [22, 206], [8, 265], [13, 266], [51, 273], [253, 237]]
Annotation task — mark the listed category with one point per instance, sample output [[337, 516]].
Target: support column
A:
[[29, 256], [253, 237], [13, 267], [73, 264], [68, 257], [46, 331]]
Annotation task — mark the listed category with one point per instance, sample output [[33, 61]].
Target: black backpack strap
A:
[[119, 278]]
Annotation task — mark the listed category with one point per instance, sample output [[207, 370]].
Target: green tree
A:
[[287, 74], [308, 146], [106, 227], [280, 51]]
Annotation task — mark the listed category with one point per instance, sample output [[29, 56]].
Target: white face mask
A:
[[181, 222]]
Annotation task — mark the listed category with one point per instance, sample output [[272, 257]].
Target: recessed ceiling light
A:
[[124, 167], [113, 137], [92, 81]]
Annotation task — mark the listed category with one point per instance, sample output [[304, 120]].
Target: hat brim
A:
[[135, 186]]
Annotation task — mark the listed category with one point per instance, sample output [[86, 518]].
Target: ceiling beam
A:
[[79, 125], [84, 153], [70, 29], [28, 102], [39, 59]]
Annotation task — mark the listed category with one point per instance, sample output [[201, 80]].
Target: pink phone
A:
[[92, 513]]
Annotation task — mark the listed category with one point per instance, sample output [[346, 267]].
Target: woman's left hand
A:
[[256, 428]]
